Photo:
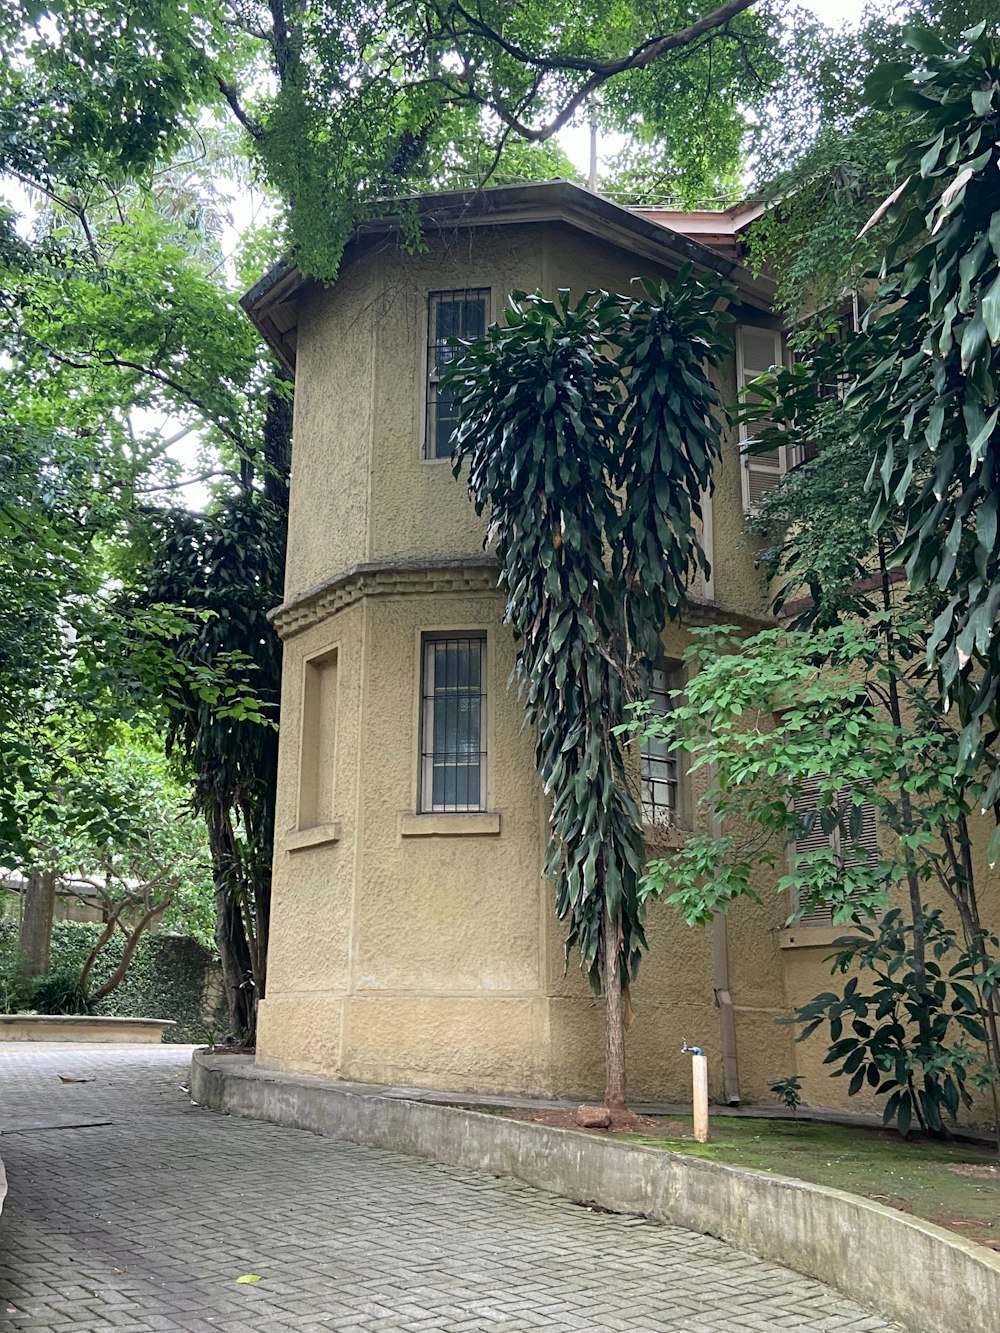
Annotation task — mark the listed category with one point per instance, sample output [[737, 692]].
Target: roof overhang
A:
[[271, 303]]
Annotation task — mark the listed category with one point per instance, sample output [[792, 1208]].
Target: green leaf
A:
[[991, 311]]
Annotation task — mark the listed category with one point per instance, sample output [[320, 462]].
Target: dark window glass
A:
[[453, 750], [456, 314], [658, 770]]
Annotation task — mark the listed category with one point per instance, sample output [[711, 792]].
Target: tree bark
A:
[[36, 923], [134, 935], [230, 935], [614, 994], [919, 950]]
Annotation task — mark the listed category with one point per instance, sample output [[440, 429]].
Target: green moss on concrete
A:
[[918, 1176]]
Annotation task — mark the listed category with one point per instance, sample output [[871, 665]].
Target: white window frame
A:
[[750, 464], [425, 782], [430, 378]]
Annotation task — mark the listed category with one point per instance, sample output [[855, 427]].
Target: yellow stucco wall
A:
[[437, 960]]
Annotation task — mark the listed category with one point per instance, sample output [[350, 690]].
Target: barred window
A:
[[453, 724], [659, 772], [461, 313]]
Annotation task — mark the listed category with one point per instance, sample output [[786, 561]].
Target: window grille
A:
[[461, 313], [453, 724], [659, 773], [850, 851]]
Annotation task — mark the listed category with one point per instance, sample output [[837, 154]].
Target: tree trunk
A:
[[919, 950], [237, 975], [614, 993], [36, 923], [230, 935]]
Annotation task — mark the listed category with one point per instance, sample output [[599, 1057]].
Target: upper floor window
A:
[[453, 724], [659, 770], [461, 313], [757, 350]]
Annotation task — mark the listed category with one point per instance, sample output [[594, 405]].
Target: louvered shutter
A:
[[856, 851], [853, 852], [757, 350], [806, 801]]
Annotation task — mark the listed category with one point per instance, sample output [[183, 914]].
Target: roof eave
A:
[[548, 201]]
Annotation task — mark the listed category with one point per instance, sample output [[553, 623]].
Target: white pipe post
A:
[[699, 1100]]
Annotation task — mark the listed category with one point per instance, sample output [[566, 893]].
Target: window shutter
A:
[[852, 852], [806, 801], [757, 350], [865, 846]]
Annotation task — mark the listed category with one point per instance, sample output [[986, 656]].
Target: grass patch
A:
[[956, 1185]]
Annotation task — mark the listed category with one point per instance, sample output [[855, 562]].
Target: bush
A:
[[166, 979], [59, 993]]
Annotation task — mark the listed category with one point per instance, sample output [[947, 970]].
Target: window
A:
[[659, 772], [319, 740], [850, 851], [757, 350], [453, 724], [456, 314]]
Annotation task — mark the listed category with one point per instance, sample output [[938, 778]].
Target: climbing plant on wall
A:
[[589, 430]]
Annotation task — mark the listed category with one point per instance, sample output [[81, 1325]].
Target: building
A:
[[413, 939]]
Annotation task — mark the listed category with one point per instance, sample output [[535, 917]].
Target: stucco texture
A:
[[437, 960]]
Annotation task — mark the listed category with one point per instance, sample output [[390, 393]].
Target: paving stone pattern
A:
[[146, 1223]]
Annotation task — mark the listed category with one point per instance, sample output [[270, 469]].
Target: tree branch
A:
[[228, 91], [599, 71], [190, 481], [119, 972], [119, 363]]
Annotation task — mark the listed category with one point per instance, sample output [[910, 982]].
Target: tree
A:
[[343, 104], [925, 368], [227, 567], [589, 431], [806, 749], [932, 358], [120, 831], [121, 339], [828, 147]]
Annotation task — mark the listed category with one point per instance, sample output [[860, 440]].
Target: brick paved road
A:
[[146, 1223]]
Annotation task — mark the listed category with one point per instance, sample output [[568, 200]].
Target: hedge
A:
[[166, 977]]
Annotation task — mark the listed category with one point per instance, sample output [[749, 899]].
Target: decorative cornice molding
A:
[[383, 578], [461, 574]]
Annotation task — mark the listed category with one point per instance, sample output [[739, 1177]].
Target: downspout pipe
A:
[[720, 937], [720, 983]]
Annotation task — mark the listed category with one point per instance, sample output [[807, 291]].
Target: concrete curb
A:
[[82, 1027], [910, 1271]]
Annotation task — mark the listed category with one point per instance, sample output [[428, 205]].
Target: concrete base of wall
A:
[[928, 1279], [82, 1027]]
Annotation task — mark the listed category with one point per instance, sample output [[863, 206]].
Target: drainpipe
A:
[[727, 1014], [720, 983]]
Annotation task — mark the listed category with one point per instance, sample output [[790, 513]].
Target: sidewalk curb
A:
[[913, 1272]]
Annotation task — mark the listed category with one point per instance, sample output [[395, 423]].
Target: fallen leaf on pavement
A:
[[249, 1277], [68, 1078]]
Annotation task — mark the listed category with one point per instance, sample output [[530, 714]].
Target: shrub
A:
[[166, 979]]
